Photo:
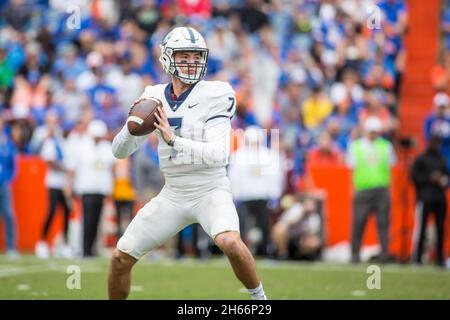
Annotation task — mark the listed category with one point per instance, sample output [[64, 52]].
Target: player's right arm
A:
[[124, 143]]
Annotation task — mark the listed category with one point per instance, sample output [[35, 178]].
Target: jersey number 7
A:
[[176, 123]]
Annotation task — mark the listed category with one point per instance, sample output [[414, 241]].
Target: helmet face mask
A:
[[184, 40], [194, 71]]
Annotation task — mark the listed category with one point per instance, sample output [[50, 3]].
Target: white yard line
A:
[[14, 270], [5, 273]]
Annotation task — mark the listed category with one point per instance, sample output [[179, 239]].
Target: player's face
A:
[[184, 58]]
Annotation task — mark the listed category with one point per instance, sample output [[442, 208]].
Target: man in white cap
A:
[[91, 168], [437, 124], [371, 158], [256, 176]]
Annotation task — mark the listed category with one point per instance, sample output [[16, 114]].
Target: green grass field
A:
[[30, 278]]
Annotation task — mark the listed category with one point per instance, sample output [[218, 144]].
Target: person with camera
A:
[[430, 177]]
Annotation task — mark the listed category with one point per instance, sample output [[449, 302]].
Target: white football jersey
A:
[[191, 114]]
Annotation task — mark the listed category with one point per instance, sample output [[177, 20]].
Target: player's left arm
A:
[[216, 145], [215, 148]]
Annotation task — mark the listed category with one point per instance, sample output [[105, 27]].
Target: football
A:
[[142, 116]]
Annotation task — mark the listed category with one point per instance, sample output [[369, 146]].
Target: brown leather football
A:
[[142, 116]]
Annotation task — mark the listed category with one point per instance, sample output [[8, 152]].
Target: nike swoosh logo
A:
[[192, 105]]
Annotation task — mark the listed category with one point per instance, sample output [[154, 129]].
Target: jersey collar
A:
[[176, 103]]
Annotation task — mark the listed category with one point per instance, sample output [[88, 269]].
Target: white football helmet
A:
[[184, 39]]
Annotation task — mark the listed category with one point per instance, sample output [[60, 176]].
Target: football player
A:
[[193, 129]]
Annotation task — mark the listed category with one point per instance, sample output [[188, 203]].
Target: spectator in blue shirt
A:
[[97, 93], [68, 63], [111, 113], [438, 124], [7, 170], [395, 13], [446, 26]]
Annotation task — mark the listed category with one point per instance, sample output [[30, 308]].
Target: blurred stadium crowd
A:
[[313, 69]]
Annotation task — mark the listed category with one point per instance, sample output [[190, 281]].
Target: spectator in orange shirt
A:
[[440, 73], [325, 153]]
